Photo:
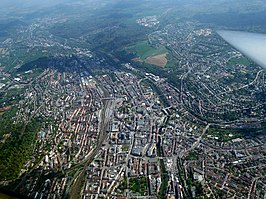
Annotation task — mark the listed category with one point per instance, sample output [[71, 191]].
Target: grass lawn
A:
[[144, 50]]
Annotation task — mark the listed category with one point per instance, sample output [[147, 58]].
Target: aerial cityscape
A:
[[133, 99]]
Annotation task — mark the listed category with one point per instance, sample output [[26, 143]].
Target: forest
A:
[[16, 146]]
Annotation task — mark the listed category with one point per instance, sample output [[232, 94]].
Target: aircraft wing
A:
[[253, 45]]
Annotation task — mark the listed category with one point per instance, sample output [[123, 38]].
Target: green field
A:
[[144, 50], [223, 135], [171, 61], [241, 61]]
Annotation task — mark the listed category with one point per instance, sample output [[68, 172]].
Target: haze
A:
[[253, 45]]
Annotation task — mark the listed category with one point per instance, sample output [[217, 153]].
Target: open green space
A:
[[123, 185], [11, 96], [33, 74], [228, 134], [240, 61], [125, 148], [223, 135], [138, 185], [23, 55], [192, 156], [171, 61], [144, 50]]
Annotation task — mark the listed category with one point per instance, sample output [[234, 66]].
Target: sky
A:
[[26, 3], [18, 5]]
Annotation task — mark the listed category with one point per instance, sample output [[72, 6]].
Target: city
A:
[[152, 106]]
